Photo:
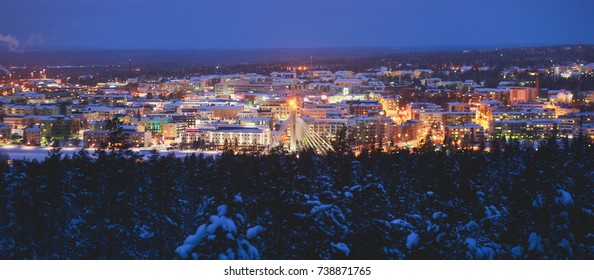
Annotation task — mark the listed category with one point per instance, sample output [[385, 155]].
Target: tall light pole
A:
[[293, 122]]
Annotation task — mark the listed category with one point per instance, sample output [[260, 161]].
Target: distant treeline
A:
[[515, 202], [154, 64]]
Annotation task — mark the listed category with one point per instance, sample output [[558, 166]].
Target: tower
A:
[[293, 122]]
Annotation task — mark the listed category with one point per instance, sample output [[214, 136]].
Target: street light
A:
[[293, 104]]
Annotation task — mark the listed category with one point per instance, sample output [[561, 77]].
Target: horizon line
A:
[[445, 47]]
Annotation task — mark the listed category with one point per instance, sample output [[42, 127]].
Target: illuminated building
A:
[[362, 107], [5, 132], [254, 121], [319, 74], [457, 118], [561, 97], [526, 129], [217, 135], [190, 120], [588, 131], [243, 136], [511, 129], [542, 128], [284, 75], [59, 127], [422, 73], [99, 113], [523, 115], [390, 103], [568, 127], [231, 87], [323, 87], [347, 82], [172, 130], [410, 130], [45, 110], [457, 107], [372, 130], [20, 121], [445, 118], [265, 113], [223, 112], [109, 100], [194, 134], [279, 108], [152, 124], [564, 110], [135, 135], [401, 73], [327, 128], [482, 94], [248, 113], [32, 135], [84, 116], [522, 95], [424, 107], [487, 118], [321, 111], [344, 74], [466, 134]]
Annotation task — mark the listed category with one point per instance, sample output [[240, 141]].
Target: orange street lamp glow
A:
[[293, 104]]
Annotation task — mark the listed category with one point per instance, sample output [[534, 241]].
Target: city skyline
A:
[[297, 130], [182, 24]]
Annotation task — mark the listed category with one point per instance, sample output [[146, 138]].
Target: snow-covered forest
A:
[[515, 202]]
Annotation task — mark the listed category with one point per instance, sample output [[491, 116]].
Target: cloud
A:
[[36, 39], [3, 69], [11, 41]]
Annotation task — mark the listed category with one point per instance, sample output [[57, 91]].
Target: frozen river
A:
[[39, 153]]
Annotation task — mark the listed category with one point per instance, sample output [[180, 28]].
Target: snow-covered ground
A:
[[39, 153]]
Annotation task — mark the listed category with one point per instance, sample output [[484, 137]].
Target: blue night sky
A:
[[241, 24]]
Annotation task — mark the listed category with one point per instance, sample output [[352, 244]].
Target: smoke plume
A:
[[36, 39], [11, 41]]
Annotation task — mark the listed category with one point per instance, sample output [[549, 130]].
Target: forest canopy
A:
[[515, 202]]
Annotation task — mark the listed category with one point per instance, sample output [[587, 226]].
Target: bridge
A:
[[301, 136]]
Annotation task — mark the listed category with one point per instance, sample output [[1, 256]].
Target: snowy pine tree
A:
[[223, 237]]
